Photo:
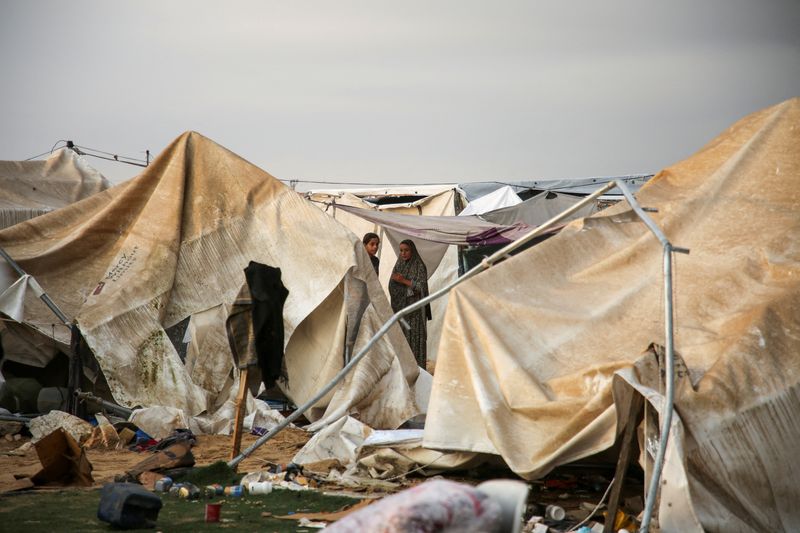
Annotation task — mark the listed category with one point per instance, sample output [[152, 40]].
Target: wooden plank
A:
[[236, 443], [634, 415]]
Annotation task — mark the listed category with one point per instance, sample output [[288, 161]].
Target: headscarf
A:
[[415, 270]]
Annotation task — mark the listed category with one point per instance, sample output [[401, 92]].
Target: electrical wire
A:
[[38, 156], [85, 150], [48, 152], [115, 156], [596, 507], [56, 144]]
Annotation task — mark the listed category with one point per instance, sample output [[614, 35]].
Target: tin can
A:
[[189, 492], [212, 512], [213, 490], [163, 484], [234, 491]]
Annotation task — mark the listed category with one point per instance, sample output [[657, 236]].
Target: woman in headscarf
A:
[[409, 284], [371, 243]]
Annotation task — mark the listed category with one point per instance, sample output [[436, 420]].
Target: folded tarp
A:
[[532, 348]]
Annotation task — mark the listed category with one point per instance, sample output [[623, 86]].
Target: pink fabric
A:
[[434, 506]]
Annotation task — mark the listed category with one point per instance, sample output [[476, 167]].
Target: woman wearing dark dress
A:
[[409, 284]]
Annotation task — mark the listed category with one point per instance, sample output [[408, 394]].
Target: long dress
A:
[[403, 296]]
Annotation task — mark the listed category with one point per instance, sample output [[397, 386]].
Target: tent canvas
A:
[[172, 243], [539, 209], [538, 371], [33, 188], [502, 197]]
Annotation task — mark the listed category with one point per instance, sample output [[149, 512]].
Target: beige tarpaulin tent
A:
[[532, 349], [439, 200], [172, 243], [32, 188]]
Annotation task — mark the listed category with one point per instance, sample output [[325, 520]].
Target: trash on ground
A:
[[44, 425]]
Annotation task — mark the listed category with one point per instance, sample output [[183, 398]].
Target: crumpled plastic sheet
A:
[[437, 505]]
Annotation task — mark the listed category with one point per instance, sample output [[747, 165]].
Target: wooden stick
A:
[[634, 414], [236, 443]]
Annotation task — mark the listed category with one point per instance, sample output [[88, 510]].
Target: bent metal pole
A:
[[36, 288], [485, 264], [669, 392]]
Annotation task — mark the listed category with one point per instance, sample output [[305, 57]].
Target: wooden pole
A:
[[241, 397], [634, 415]]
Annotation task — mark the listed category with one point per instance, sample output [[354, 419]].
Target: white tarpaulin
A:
[[502, 197]]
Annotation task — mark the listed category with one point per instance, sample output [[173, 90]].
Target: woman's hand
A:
[[400, 279]]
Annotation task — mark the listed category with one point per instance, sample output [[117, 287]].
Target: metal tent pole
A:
[[668, 408]]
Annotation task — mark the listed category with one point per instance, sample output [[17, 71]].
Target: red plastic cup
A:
[[212, 512]]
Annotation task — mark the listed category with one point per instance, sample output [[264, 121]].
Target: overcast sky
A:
[[395, 92]]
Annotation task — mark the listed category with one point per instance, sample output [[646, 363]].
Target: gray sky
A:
[[395, 92]]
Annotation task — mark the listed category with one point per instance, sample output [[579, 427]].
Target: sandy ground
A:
[[209, 449]]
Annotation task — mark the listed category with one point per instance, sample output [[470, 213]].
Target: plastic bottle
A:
[[259, 487]]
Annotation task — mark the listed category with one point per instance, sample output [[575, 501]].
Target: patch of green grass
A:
[[76, 510]]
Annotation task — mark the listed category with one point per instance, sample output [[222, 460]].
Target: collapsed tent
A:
[[33, 188], [440, 200], [540, 351], [172, 243], [527, 188]]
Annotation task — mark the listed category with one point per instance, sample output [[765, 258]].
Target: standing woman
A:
[[409, 284], [371, 242]]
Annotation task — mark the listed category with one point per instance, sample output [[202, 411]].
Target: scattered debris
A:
[[177, 455], [128, 506], [45, 425], [103, 435], [63, 463], [11, 483]]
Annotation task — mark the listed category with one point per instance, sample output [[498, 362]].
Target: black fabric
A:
[[376, 263], [268, 294]]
